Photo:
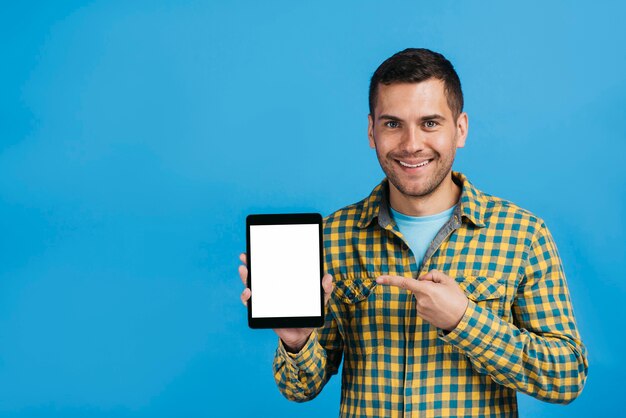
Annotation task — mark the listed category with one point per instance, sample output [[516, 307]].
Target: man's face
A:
[[415, 135]]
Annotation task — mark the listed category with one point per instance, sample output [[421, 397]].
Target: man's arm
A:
[[541, 353], [301, 376]]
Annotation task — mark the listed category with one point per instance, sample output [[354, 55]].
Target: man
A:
[[446, 300]]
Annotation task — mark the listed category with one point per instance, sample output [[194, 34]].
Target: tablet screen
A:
[[285, 271]]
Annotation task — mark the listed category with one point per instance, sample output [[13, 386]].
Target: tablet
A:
[[285, 256]]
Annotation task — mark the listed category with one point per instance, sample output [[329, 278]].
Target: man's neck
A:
[[444, 197]]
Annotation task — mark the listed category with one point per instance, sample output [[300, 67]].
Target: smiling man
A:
[[447, 301]]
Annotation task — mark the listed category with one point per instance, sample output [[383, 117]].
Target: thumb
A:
[[327, 284], [434, 276]]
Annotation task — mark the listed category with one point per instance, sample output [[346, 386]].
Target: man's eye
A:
[[430, 124], [392, 124]]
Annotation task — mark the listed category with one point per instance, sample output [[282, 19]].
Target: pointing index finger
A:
[[407, 283]]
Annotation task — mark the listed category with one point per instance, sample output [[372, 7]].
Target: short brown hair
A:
[[414, 65]]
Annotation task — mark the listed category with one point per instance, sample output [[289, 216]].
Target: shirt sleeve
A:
[[540, 353], [301, 376]]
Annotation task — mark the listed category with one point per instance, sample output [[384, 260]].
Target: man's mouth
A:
[[415, 165]]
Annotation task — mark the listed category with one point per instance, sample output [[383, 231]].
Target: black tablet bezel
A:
[[285, 219]]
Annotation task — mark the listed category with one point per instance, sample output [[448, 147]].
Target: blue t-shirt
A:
[[419, 231]]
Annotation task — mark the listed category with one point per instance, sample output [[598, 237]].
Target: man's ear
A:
[[370, 131], [462, 125]]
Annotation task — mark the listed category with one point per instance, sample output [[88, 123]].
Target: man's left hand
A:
[[438, 298]]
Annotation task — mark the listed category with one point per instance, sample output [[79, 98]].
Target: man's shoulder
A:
[[493, 211], [347, 216], [498, 211], [357, 214]]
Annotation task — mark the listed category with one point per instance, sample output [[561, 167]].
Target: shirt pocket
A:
[[363, 304], [485, 290]]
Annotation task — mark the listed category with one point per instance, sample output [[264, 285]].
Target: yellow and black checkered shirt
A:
[[518, 332]]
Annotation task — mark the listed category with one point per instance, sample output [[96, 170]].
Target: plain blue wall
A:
[[134, 139]]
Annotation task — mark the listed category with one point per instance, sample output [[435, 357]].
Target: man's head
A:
[[414, 65], [416, 123]]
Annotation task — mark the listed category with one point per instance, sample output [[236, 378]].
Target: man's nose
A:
[[412, 140]]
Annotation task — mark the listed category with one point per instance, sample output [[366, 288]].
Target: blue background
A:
[[135, 137]]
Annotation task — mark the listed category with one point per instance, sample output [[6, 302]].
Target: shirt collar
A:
[[471, 206]]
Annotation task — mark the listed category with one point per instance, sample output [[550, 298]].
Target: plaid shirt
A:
[[517, 334]]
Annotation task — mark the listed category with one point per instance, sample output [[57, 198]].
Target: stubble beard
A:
[[415, 188]]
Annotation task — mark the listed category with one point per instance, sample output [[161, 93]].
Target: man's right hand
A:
[[293, 338]]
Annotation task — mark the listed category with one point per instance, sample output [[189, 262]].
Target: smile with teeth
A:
[[422, 164]]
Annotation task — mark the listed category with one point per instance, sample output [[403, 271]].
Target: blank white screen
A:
[[285, 268]]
